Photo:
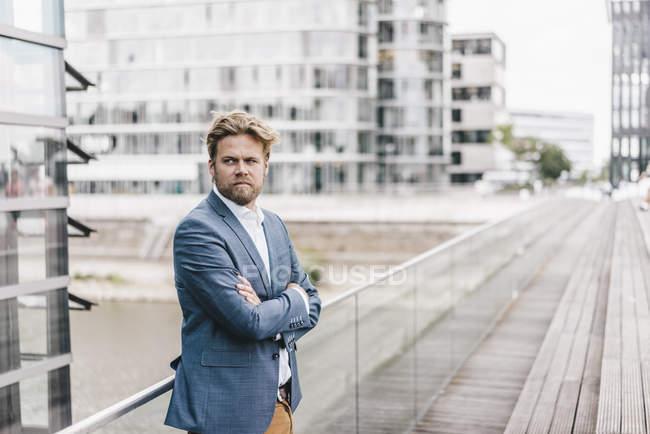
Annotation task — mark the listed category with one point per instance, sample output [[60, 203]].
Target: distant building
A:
[[573, 132], [308, 67], [305, 67], [477, 106], [412, 110], [34, 321], [630, 146]]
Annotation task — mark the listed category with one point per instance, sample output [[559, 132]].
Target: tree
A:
[[552, 162], [549, 159]]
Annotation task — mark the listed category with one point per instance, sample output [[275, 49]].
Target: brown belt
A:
[[285, 391]]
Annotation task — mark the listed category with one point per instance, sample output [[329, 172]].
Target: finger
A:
[[253, 300], [243, 279], [245, 288], [247, 291]]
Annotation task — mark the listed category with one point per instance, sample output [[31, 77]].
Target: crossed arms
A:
[[204, 268]]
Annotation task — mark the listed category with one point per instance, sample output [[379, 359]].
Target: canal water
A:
[[120, 348]]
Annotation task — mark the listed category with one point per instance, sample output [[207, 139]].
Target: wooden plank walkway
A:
[[549, 399], [492, 378], [573, 353], [402, 388]]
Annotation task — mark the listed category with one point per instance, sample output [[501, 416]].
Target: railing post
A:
[[356, 362]]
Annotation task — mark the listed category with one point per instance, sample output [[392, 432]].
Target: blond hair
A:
[[239, 122]]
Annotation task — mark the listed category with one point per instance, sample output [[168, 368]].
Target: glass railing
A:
[[381, 353]]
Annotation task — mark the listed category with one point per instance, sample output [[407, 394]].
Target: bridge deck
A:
[[543, 369]]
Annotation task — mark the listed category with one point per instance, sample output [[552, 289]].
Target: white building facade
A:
[[413, 109], [307, 67], [573, 132], [477, 106]]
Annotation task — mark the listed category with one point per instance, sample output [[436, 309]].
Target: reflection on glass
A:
[[41, 16], [31, 78], [331, 344], [33, 245], [33, 401], [386, 353], [33, 405], [32, 162]]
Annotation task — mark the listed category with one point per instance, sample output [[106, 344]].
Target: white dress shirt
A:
[[252, 222]]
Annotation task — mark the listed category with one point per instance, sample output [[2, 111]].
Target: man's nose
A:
[[241, 168]]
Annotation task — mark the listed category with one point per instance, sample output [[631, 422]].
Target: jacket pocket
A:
[[233, 359]]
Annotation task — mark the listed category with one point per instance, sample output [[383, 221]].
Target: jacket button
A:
[[275, 356]]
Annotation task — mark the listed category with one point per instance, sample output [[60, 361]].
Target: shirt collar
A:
[[241, 212]]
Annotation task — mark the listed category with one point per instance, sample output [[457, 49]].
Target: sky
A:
[[558, 54]]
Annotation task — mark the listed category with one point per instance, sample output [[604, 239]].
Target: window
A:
[[430, 33], [363, 46], [386, 88], [484, 93], [470, 136], [31, 78], [484, 46], [456, 158], [471, 93], [431, 59], [456, 115], [458, 47], [386, 32], [456, 70], [363, 13], [385, 60], [385, 6], [472, 46]]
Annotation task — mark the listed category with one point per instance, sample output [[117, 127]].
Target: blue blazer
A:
[[227, 374]]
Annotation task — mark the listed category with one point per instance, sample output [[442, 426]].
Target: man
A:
[[245, 298]]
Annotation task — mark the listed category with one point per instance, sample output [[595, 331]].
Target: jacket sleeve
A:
[[301, 278], [206, 271]]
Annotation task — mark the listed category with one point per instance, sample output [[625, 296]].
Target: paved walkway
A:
[[571, 355]]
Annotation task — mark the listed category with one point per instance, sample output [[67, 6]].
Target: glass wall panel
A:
[[33, 245], [333, 344], [32, 162], [33, 405], [31, 78], [40, 16]]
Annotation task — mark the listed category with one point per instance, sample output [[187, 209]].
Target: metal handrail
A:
[[427, 254], [123, 407], [131, 403]]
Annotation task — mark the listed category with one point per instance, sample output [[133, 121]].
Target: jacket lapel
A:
[[270, 244], [243, 236]]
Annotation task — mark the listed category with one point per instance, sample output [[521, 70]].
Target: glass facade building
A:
[[34, 323], [308, 67], [630, 147]]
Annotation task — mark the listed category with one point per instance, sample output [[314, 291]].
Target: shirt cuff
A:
[[304, 298]]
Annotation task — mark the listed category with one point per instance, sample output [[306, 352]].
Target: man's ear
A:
[[266, 165]]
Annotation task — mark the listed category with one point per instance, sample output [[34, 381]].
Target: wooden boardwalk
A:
[[573, 353]]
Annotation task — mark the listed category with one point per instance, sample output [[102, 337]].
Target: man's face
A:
[[239, 168]]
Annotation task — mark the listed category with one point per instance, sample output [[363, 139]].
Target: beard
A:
[[242, 195]]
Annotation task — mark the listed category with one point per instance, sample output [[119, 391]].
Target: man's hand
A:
[[246, 290], [299, 288]]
